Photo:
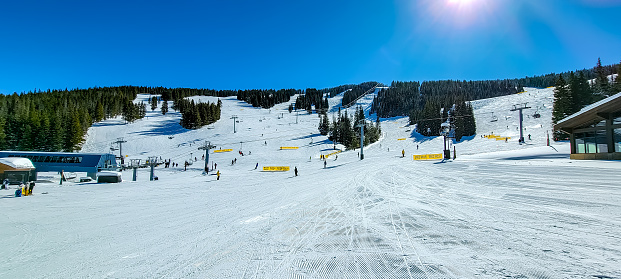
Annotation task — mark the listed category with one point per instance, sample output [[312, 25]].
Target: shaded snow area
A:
[[499, 210]]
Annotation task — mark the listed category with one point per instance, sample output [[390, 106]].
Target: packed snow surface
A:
[[499, 210]]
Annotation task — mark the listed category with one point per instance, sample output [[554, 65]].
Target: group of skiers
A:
[[24, 189]]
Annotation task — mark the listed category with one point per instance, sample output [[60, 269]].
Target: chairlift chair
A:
[[537, 115]]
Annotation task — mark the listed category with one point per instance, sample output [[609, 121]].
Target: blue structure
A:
[[91, 163]]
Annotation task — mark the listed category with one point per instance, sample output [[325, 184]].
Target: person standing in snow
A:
[[402, 153], [324, 164], [255, 167], [5, 184], [218, 174], [296, 171]]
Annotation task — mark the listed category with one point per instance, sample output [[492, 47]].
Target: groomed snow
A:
[[500, 210]]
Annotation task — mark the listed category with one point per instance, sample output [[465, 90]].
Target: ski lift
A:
[[494, 118], [537, 115]]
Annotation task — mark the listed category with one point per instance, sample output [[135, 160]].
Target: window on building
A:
[[617, 139], [602, 144], [616, 121], [580, 146], [589, 142]]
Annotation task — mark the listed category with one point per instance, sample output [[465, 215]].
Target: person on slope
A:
[[402, 153], [296, 171], [324, 164], [218, 174]]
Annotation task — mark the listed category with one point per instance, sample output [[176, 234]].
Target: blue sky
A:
[[297, 44]]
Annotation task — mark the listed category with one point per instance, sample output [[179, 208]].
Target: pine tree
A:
[[562, 100], [601, 83], [585, 94], [324, 125], [57, 132], [2, 133], [153, 103], [574, 91], [334, 130], [164, 107], [99, 115], [469, 121], [617, 83], [431, 120]]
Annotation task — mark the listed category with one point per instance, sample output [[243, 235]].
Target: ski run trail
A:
[[499, 210]]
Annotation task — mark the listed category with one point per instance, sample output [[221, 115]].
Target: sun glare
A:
[[459, 13]]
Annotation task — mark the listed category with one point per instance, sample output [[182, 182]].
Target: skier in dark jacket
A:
[[296, 171]]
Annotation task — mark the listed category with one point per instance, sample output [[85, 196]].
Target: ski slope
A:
[[499, 210]]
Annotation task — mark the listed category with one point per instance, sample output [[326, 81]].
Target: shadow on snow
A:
[[168, 127]]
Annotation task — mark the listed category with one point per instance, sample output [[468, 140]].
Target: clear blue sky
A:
[[297, 44]]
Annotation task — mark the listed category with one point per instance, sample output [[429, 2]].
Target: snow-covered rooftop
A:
[[17, 163]]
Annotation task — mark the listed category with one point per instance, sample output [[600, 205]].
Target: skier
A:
[[255, 167], [417, 147], [528, 136], [218, 174], [5, 184], [296, 171], [402, 153], [324, 164]]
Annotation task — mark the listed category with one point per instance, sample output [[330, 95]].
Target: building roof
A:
[[51, 153], [591, 114], [17, 163]]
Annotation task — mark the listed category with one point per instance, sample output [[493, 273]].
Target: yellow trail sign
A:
[[223, 150], [333, 153], [282, 168], [428, 157], [402, 139], [288, 147]]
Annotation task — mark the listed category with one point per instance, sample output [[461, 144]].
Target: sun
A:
[[460, 2], [463, 2]]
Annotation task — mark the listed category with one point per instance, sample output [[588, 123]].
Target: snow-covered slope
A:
[[505, 210]]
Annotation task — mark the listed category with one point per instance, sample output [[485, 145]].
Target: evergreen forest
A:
[[345, 130]]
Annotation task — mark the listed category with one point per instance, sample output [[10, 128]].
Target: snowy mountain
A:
[[500, 209]]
